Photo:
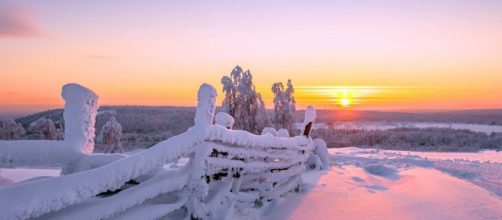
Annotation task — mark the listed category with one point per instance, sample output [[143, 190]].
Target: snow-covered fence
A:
[[226, 168]]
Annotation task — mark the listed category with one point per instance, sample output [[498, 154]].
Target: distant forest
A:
[[144, 126]]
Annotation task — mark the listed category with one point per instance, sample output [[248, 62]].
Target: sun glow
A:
[[345, 102]]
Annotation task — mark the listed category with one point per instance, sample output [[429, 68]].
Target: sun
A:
[[345, 102]]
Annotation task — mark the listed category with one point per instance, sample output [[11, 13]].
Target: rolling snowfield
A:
[[373, 184]]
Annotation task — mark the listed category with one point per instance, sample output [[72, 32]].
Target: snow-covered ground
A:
[[390, 125], [382, 184], [372, 184], [21, 174]]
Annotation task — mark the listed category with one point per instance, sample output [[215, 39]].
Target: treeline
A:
[[414, 139], [486, 117]]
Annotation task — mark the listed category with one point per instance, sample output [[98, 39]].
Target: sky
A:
[[369, 55]]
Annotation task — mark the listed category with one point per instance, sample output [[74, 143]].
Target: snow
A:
[[73, 195], [22, 174], [283, 133], [224, 120], [213, 172], [206, 97], [310, 115], [269, 130], [419, 194], [35, 153], [100, 208], [80, 114], [321, 151], [373, 184]]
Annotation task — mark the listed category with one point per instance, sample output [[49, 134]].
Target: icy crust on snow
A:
[[31, 153], [81, 105], [57, 193]]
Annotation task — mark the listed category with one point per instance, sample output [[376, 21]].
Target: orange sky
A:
[[385, 55]]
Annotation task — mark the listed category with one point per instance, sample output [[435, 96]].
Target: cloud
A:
[[18, 22]]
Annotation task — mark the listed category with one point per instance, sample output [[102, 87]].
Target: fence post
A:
[[310, 116], [206, 98], [79, 117]]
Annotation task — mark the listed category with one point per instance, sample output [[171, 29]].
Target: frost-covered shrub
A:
[[110, 136], [269, 130], [282, 133], [242, 101], [284, 106], [11, 130], [43, 128]]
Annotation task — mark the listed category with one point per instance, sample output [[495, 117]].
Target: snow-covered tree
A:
[[284, 106], [43, 128], [11, 130], [230, 85], [110, 136], [243, 102]]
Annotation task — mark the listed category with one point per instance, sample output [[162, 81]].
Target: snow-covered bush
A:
[[224, 120], [11, 130], [110, 136], [43, 128], [269, 130], [282, 133], [242, 101], [284, 106]]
